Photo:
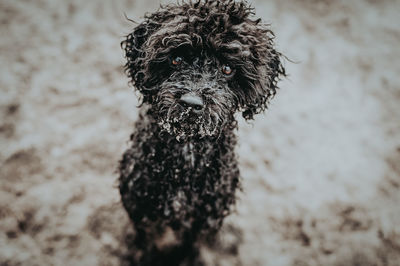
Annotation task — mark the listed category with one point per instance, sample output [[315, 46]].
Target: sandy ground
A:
[[321, 170]]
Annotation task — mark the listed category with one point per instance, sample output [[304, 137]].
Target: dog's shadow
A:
[[112, 228]]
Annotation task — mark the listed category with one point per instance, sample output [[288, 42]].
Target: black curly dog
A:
[[195, 65]]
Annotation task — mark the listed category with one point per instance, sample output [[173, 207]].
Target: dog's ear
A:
[[269, 70], [135, 53]]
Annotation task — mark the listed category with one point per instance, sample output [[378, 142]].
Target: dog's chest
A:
[[191, 170], [189, 158], [179, 183]]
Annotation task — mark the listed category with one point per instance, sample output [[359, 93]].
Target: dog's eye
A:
[[177, 61], [227, 70]]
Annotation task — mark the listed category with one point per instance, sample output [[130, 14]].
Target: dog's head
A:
[[197, 63]]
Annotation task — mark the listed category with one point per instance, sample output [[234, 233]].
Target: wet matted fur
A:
[[195, 65]]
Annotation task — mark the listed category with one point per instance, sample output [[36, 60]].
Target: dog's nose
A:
[[191, 100]]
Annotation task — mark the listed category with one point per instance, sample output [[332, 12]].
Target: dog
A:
[[195, 65]]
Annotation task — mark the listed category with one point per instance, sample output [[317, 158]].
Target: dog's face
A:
[[196, 98], [198, 63]]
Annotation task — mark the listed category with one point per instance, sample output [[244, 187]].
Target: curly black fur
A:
[[180, 173]]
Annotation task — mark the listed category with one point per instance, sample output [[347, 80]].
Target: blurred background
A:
[[320, 169]]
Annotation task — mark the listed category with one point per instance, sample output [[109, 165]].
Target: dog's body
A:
[[196, 65], [184, 186]]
